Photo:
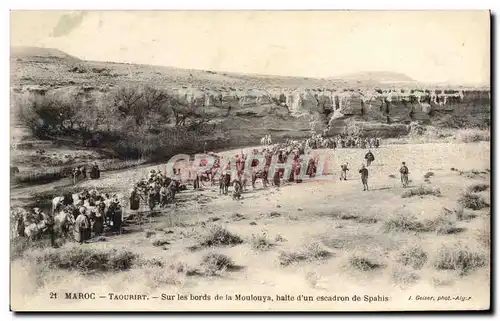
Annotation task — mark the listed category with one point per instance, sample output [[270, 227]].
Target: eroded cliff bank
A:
[[249, 114], [252, 105]]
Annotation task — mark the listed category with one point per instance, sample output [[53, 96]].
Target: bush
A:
[[215, 263], [156, 273], [403, 223], [41, 176], [85, 259], [261, 242], [459, 259], [406, 223], [484, 236], [160, 242], [420, 191], [428, 174], [463, 215], [473, 135], [288, 258], [477, 188], [220, 236], [309, 252], [472, 201], [148, 234], [367, 220], [133, 121], [156, 277], [315, 252], [413, 256], [441, 225], [362, 263], [19, 245], [404, 276]]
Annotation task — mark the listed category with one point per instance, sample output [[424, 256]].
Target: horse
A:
[[153, 198], [65, 200], [224, 182], [260, 174], [34, 231], [63, 222]]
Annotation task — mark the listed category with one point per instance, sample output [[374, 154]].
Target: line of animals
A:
[[280, 152], [236, 176]]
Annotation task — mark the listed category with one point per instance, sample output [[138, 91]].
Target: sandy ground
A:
[[301, 214]]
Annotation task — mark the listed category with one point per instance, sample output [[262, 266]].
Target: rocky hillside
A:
[[255, 104]]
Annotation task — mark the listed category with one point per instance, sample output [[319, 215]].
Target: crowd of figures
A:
[[81, 215], [341, 141], [155, 190], [73, 216], [233, 174]]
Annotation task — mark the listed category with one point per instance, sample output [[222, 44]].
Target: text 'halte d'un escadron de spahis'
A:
[[236, 297]]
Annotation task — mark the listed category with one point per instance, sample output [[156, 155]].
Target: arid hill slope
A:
[[290, 106]]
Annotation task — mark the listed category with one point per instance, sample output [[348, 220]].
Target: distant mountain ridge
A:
[[365, 76], [377, 76], [28, 51]]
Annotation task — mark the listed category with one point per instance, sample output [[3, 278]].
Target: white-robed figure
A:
[[82, 226]]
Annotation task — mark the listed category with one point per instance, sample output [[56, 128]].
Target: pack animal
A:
[[224, 182]]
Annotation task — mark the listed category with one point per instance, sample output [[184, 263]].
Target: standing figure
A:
[[343, 171], [134, 199], [83, 170], [163, 196], [117, 218], [82, 225], [364, 177], [95, 172], [404, 174], [369, 158]]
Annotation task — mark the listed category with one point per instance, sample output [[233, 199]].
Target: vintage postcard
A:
[[250, 160]]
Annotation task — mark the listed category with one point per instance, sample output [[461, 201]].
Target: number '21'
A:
[[53, 295]]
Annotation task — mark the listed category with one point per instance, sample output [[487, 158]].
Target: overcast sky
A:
[[428, 46]]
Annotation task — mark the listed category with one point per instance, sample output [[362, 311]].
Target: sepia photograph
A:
[[209, 160]]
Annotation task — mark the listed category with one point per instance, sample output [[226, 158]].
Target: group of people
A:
[[31, 223], [266, 140], [77, 216], [317, 141], [90, 211], [363, 171], [156, 189], [281, 151], [341, 141]]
